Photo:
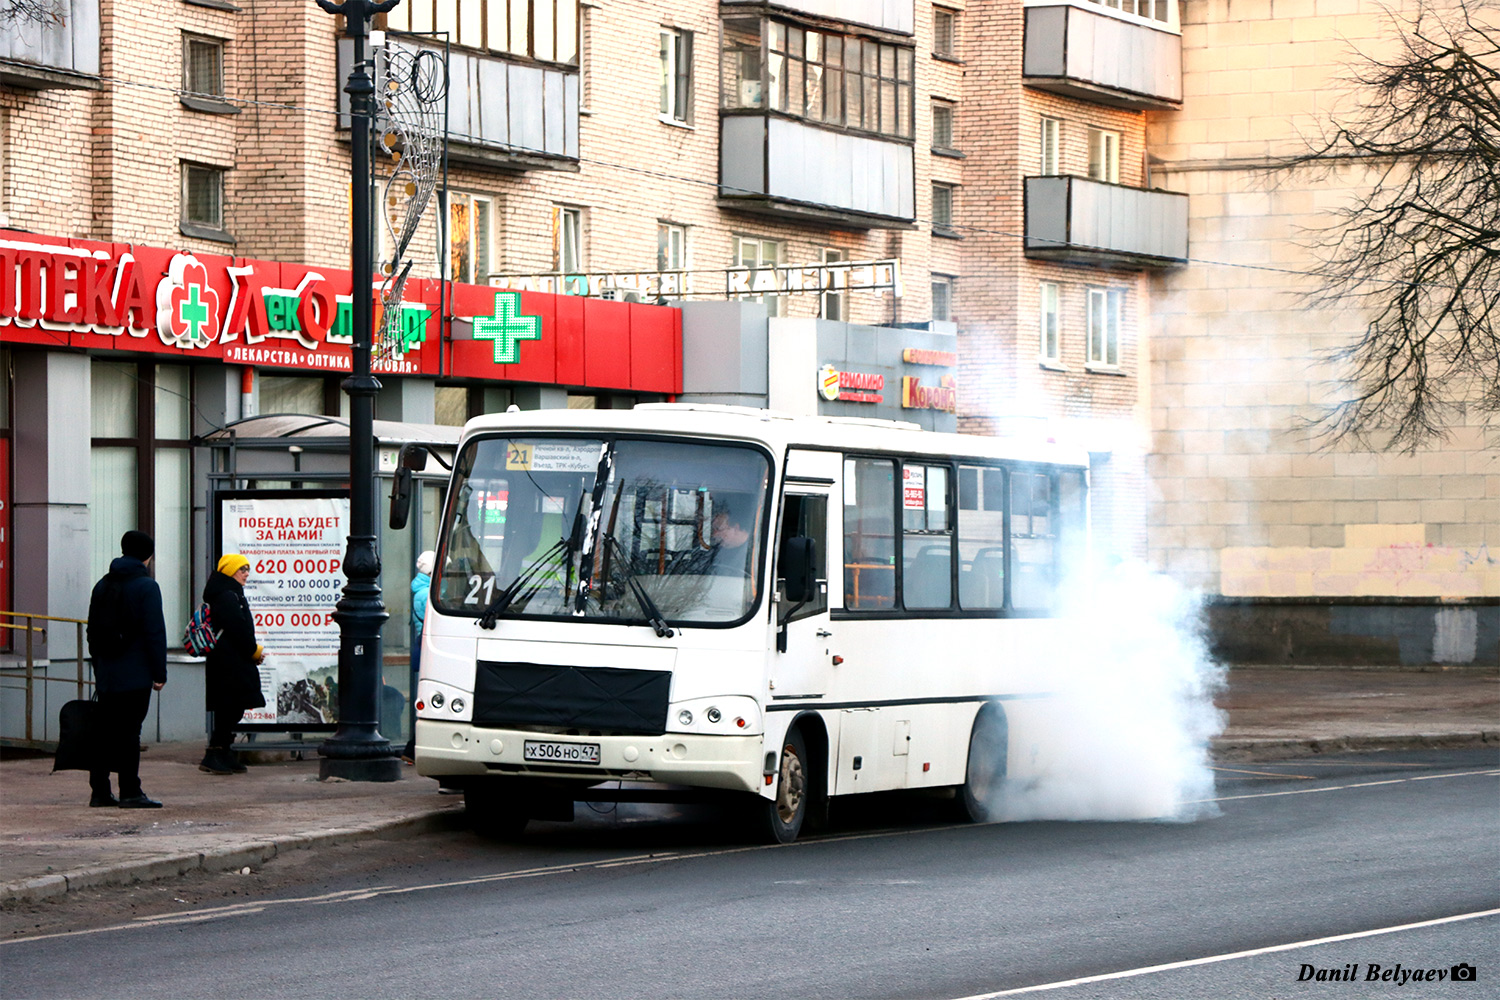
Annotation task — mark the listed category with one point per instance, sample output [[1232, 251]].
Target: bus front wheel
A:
[[783, 815], [984, 780]]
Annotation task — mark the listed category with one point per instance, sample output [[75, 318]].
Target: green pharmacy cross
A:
[[507, 328], [193, 314]]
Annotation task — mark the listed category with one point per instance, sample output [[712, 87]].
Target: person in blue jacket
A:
[[127, 638], [420, 585]]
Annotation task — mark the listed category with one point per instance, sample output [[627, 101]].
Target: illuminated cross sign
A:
[[507, 328]]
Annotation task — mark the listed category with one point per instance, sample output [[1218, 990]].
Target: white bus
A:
[[684, 598]]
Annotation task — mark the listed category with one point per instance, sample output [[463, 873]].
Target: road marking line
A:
[[348, 895], [1262, 774], [1211, 959], [1340, 788], [1304, 762]]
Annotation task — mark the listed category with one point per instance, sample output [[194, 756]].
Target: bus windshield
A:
[[617, 529]]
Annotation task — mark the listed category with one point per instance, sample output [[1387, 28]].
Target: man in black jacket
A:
[[128, 642]]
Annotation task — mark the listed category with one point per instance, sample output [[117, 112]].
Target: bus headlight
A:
[[457, 704], [436, 699], [719, 715]]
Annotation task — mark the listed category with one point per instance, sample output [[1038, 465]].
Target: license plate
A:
[[561, 753]]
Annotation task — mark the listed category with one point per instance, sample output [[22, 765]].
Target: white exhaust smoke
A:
[[1126, 736]]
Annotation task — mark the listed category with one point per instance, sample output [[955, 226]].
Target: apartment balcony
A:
[[1087, 222], [1097, 56], [61, 55], [505, 114], [774, 166], [887, 15]]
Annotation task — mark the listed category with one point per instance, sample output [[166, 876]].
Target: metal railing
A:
[[24, 622]]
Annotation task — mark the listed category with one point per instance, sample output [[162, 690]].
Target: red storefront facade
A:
[[118, 357]]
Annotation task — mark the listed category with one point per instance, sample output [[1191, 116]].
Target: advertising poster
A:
[[295, 541]]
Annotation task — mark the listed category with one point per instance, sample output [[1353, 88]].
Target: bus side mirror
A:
[[413, 458], [400, 498], [799, 569]]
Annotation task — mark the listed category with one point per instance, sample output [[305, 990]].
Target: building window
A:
[[1104, 156], [671, 247], [942, 298], [942, 127], [945, 32], [835, 79], [140, 462], [470, 231], [567, 239], [942, 210], [753, 252], [1155, 10], [831, 305], [203, 196], [532, 29], [203, 66], [1051, 144], [676, 75], [1105, 306], [1048, 347]]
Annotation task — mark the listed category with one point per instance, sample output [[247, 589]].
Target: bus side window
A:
[[927, 542], [869, 534], [806, 516], [1033, 538], [981, 538]]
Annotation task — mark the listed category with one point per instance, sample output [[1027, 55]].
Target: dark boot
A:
[[216, 760], [232, 759]]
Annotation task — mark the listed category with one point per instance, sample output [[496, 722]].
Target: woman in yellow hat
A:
[[231, 675]]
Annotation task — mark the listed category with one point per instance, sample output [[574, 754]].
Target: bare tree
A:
[[33, 11], [1418, 251]]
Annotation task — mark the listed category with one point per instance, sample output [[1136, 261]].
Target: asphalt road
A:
[[1384, 859]]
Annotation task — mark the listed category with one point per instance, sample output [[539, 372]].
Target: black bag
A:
[[79, 728]]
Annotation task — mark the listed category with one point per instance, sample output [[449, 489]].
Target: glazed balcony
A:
[[60, 55], [777, 166], [1081, 221], [1089, 52], [887, 15], [501, 113]]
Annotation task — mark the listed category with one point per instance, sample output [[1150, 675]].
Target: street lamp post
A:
[[356, 751]]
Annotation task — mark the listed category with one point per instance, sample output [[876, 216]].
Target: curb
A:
[[221, 858], [1284, 749]]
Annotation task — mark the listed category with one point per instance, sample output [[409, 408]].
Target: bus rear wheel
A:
[[978, 797], [782, 816]]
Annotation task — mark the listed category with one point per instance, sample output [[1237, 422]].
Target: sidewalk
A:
[[51, 842]]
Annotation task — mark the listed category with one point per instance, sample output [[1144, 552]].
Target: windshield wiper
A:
[[653, 613], [510, 593]]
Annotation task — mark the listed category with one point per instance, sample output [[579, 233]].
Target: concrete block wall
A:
[[1245, 502]]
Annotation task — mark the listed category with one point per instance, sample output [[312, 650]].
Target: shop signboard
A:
[[295, 541], [123, 296], [850, 387]]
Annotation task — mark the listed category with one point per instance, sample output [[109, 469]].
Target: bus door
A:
[[804, 657]]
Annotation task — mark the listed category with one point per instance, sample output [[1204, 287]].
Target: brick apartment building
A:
[[615, 137], [996, 148]]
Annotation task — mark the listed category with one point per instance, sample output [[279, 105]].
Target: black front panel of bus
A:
[[606, 700]]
